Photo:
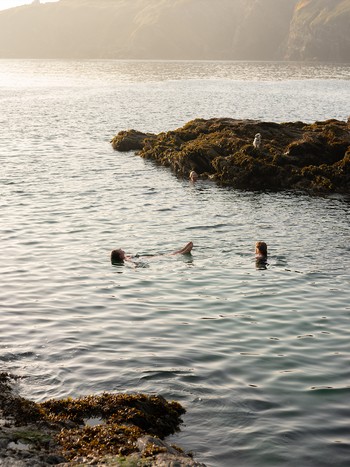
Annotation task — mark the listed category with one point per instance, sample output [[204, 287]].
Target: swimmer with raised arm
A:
[[119, 256]]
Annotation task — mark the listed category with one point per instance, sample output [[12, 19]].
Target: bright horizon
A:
[[6, 4]]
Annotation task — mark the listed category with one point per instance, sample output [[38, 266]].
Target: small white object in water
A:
[[257, 141]]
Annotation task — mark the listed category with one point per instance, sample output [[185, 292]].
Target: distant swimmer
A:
[[193, 176], [261, 255], [119, 256], [260, 250], [257, 141]]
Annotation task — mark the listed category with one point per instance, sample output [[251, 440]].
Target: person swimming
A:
[[260, 250], [118, 256], [261, 255], [193, 176]]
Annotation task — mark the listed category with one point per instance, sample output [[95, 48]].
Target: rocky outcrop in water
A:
[[108, 429], [292, 156]]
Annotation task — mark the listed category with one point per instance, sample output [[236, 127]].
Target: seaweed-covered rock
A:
[[130, 140], [107, 429], [119, 420], [293, 155]]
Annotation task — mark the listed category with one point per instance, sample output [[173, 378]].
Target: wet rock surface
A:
[[107, 429], [291, 156]]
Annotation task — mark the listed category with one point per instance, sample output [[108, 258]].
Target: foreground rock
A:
[[292, 156], [109, 429]]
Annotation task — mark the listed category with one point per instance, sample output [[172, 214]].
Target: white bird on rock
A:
[[257, 141]]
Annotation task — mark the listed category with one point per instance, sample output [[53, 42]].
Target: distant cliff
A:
[[179, 29], [320, 30]]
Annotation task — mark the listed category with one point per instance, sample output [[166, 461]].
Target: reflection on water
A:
[[261, 263], [106, 72], [259, 356]]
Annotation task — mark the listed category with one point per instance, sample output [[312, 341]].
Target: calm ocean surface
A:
[[259, 358]]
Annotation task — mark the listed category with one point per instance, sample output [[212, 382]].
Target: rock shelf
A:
[[107, 429], [310, 157]]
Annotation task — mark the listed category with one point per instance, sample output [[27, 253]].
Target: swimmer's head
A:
[[261, 249], [117, 256], [193, 175]]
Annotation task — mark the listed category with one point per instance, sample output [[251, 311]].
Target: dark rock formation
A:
[[108, 429], [292, 156], [130, 140]]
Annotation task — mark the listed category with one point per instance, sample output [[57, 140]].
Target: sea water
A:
[[258, 357]]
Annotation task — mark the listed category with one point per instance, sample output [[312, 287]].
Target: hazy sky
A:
[[4, 4]]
